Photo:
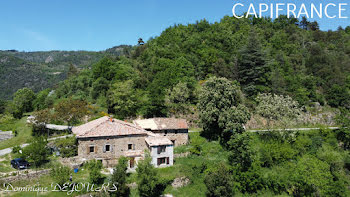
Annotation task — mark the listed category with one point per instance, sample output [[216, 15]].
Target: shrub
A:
[[277, 107], [149, 185], [241, 152], [67, 146], [60, 174], [273, 152], [219, 182], [37, 151], [119, 178], [16, 149], [309, 177], [196, 148], [95, 176], [251, 180]]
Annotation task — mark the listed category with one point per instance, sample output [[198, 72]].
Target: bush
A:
[[310, 176], [272, 153], [277, 107], [119, 178], [37, 151], [60, 174], [241, 152], [149, 185], [68, 146], [95, 176], [196, 148], [16, 149], [219, 182], [251, 180]]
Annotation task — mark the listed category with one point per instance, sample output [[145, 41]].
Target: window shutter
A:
[[158, 161], [88, 150], [167, 160], [133, 146], [158, 149], [95, 149], [104, 148], [112, 147]]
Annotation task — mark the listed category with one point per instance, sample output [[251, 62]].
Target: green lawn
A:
[[24, 133], [212, 153], [45, 181], [5, 165]]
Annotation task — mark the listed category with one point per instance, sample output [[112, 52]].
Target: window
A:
[[108, 148], [163, 160], [131, 147], [91, 149], [161, 149], [175, 131]]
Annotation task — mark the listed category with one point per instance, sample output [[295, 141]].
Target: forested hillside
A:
[[284, 57], [221, 77], [41, 70], [163, 77]]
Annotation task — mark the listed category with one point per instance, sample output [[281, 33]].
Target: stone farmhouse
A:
[[174, 129], [107, 139]]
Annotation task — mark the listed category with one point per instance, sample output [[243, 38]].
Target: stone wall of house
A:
[[179, 136], [118, 147]]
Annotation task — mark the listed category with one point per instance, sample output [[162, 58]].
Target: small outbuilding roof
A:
[[162, 123], [107, 126], [158, 141]]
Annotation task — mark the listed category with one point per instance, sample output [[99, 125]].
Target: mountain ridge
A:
[[39, 70]]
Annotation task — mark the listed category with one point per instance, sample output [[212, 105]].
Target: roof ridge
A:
[[95, 126], [130, 124]]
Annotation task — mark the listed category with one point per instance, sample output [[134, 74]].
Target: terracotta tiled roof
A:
[[107, 126], [157, 141], [162, 123]]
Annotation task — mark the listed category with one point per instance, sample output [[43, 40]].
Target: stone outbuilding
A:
[[174, 129]]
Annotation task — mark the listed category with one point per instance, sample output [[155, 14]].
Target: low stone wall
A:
[[185, 154], [30, 175], [5, 135]]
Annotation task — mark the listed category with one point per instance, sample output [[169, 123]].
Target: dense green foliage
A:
[[221, 111], [95, 176], [22, 102], [163, 76], [68, 147], [219, 182], [60, 174], [148, 183], [277, 163], [221, 73], [119, 178], [36, 152], [44, 69]]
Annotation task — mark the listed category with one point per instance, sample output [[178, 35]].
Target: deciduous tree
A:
[[221, 111]]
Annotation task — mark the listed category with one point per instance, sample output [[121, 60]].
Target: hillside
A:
[[43, 69], [283, 57]]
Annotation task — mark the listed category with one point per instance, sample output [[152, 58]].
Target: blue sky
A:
[[36, 25]]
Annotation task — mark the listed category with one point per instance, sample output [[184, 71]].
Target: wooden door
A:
[[132, 162]]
